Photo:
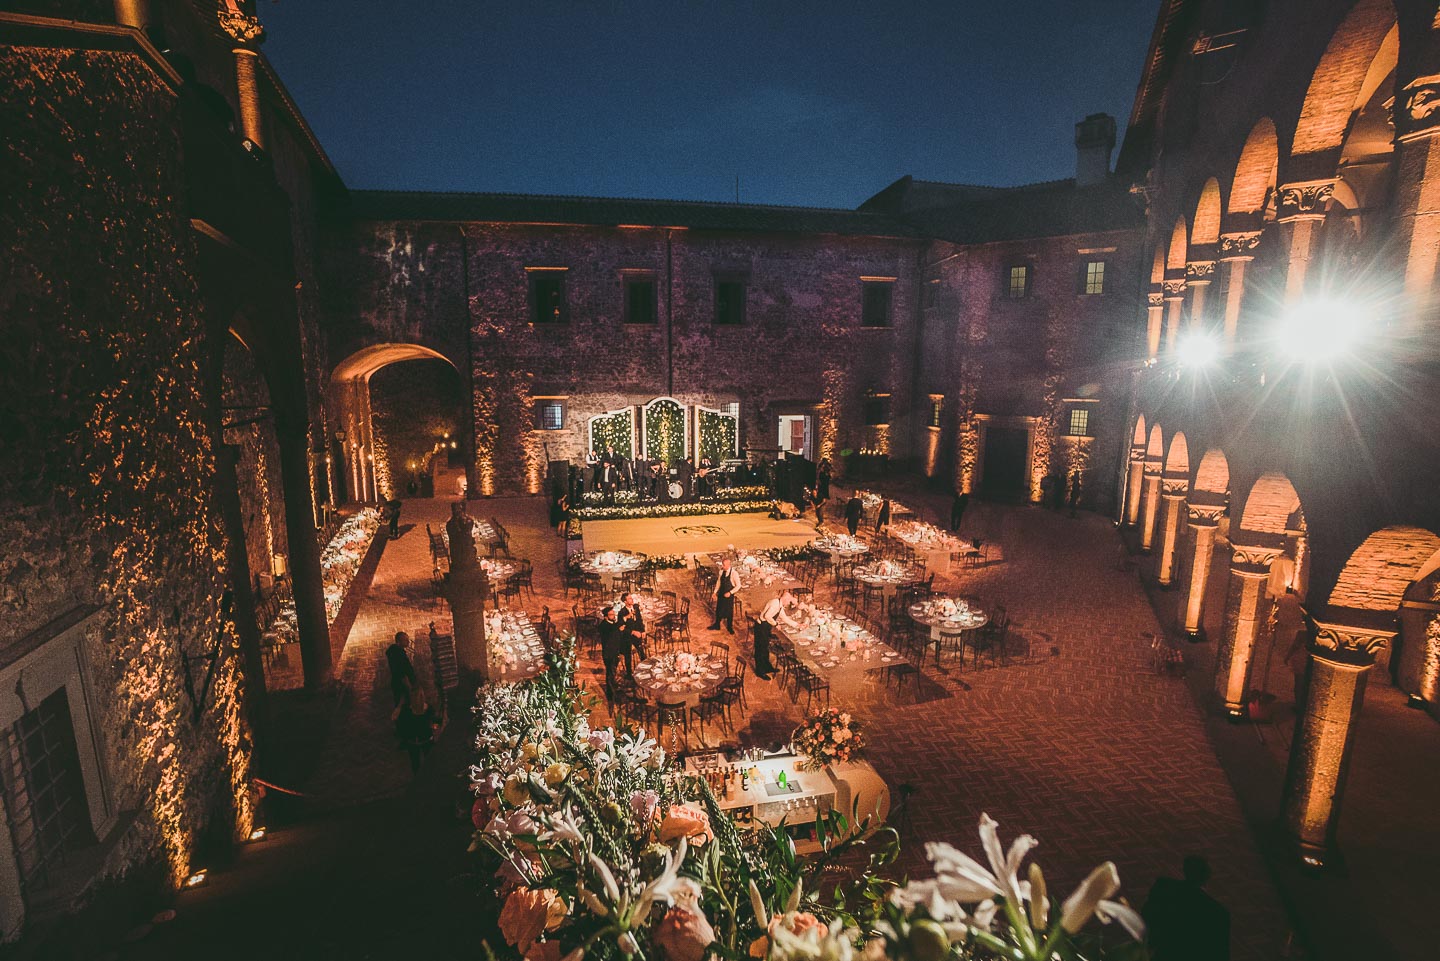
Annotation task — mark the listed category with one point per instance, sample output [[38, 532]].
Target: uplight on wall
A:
[[1197, 349], [1320, 330]]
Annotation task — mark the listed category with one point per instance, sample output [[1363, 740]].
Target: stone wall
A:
[[107, 438], [414, 406]]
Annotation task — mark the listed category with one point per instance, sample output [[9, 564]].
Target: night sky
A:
[[812, 103]]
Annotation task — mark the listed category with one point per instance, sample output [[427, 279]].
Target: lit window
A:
[[875, 305], [937, 407], [549, 415], [547, 297], [1080, 422], [640, 300], [729, 302], [733, 408], [1095, 277], [1019, 282]]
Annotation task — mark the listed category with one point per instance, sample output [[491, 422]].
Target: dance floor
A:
[[701, 533]]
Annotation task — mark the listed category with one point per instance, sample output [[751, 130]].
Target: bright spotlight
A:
[[1197, 349], [1320, 331]]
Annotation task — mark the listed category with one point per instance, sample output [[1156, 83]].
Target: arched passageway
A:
[[404, 425]]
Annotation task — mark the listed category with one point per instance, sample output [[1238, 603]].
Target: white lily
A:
[[757, 904], [563, 827], [1005, 865], [1093, 899]]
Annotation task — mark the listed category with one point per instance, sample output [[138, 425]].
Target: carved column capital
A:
[[1174, 288], [1204, 515], [244, 28], [1252, 560], [1199, 272], [1137, 455], [1304, 200], [1239, 245], [1174, 487], [1417, 112], [1155, 298]]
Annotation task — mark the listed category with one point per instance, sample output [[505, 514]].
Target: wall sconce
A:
[[279, 565]]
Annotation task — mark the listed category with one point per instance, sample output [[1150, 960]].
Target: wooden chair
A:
[[677, 715]]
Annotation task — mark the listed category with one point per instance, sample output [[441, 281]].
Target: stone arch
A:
[[1382, 568], [1338, 85], [1178, 251], [1155, 448], [1272, 507], [1256, 170], [1206, 228], [1138, 439], [1177, 459], [1213, 473], [359, 455]]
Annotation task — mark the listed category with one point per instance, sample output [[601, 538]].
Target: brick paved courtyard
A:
[[1078, 741]]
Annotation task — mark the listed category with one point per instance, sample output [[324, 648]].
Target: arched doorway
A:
[[404, 425]]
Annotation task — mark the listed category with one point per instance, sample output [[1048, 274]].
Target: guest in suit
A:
[[609, 479], [632, 625], [612, 647], [882, 520], [727, 585], [853, 510], [957, 510], [1184, 923], [402, 672], [415, 726], [592, 467], [822, 480]]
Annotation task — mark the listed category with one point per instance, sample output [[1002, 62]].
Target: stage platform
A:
[[701, 533]]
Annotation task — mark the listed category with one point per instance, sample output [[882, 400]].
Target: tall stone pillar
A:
[[1174, 291], [1341, 655], [466, 589], [1150, 508], [1154, 322], [1244, 613], [1236, 250], [247, 33], [1198, 275], [1203, 523], [1134, 484], [133, 13], [1301, 212], [306, 581], [1172, 496], [1417, 196]]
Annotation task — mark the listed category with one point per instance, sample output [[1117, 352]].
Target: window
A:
[[877, 410], [732, 408], [1094, 281], [640, 300], [875, 303], [729, 302], [1079, 422], [549, 414], [1017, 282], [547, 297], [44, 789], [937, 407]]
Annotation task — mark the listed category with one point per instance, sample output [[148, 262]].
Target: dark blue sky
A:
[[813, 103]]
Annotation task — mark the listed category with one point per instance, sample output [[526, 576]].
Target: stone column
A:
[[1244, 613], [133, 13], [1173, 490], [1198, 275], [1150, 508], [1417, 194], [1174, 295], [1203, 522], [247, 33], [1341, 656], [1134, 485], [1154, 321], [1301, 211], [305, 578], [1236, 250], [466, 588]]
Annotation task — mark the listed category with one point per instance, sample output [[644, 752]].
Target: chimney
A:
[[1094, 140]]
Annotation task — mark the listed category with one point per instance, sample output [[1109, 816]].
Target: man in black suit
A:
[[632, 625], [402, 672], [853, 510], [612, 647], [1184, 923]]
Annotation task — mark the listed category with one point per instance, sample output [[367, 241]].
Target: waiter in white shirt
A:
[[773, 614], [727, 585]]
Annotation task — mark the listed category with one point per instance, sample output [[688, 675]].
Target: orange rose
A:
[[686, 821], [684, 934]]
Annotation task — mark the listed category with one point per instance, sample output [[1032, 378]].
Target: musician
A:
[[773, 614], [609, 477], [685, 474], [644, 482], [727, 585], [705, 485], [592, 468]]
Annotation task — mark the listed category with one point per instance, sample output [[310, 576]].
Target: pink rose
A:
[[683, 934], [686, 821]]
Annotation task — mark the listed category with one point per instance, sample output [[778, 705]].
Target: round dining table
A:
[[611, 564], [657, 681], [943, 614]]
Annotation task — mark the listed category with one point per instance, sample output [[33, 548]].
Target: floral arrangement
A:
[[674, 510], [830, 737], [925, 536], [664, 422], [340, 562], [684, 663], [719, 434], [592, 844], [663, 562], [784, 511], [842, 543], [790, 555]]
